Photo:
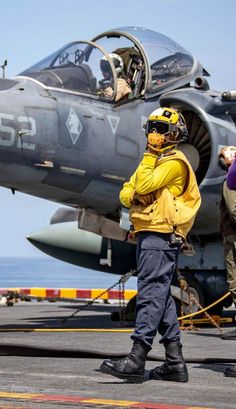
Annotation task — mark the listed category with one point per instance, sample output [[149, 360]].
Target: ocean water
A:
[[46, 272]]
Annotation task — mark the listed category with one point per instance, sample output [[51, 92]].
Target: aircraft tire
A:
[[128, 313]]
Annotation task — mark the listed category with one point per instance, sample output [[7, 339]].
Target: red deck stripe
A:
[[50, 292], [84, 294], [25, 291], [113, 294], [59, 398]]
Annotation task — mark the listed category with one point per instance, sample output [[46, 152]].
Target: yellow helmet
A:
[[170, 125]]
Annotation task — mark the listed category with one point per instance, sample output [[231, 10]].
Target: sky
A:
[[32, 29]]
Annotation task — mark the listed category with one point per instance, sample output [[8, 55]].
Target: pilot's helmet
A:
[[117, 61], [170, 125]]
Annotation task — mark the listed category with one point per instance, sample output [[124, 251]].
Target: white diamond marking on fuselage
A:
[[113, 121], [74, 126]]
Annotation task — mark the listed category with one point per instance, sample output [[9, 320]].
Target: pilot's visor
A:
[[105, 66]]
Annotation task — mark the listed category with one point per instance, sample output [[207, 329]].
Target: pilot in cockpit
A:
[[124, 90]]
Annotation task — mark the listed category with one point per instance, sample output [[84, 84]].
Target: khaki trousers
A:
[[230, 261]]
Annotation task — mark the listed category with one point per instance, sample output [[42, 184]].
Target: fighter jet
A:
[[63, 138]]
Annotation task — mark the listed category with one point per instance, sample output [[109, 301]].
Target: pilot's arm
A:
[[108, 92], [123, 89]]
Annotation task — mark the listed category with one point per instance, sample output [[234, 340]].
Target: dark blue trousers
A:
[[155, 309]]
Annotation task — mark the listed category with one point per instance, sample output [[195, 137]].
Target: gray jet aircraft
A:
[[63, 139]]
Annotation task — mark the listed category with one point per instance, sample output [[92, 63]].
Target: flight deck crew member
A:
[[228, 219], [231, 175], [228, 231], [163, 198], [123, 88]]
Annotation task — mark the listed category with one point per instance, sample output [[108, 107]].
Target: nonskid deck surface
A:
[[47, 363]]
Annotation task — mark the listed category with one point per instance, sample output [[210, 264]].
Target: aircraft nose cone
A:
[[67, 236], [66, 242]]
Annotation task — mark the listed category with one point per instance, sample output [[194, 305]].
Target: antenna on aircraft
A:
[[3, 68]]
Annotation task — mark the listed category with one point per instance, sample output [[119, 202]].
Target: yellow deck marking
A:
[[109, 402], [38, 292], [18, 395], [130, 294], [68, 293], [95, 293]]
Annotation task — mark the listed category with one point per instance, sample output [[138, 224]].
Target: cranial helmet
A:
[[169, 124], [117, 61]]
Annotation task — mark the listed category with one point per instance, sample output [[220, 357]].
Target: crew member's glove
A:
[[143, 200], [227, 156], [154, 142]]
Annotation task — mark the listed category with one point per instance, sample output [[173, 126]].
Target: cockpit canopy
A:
[[152, 62], [75, 67]]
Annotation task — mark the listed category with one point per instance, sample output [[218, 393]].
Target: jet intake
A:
[[211, 124], [201, 83], [198, 149]]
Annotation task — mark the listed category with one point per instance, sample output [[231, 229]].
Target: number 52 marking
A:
[[8, 133]]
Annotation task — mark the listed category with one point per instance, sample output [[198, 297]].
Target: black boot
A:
[[230, 371], [174, 368], [229, 335], [131, 367]]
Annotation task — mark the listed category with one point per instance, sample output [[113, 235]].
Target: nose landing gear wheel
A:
[[195, 290]]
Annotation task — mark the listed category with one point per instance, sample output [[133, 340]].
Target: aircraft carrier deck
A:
[[47, 363]]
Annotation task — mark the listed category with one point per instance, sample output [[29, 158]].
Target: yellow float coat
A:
[[176, 197]]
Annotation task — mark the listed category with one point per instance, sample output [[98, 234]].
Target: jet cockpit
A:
[[152, 63]]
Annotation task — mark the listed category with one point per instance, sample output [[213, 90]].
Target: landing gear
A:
[[126, 314], [194, 288], [206, 291]]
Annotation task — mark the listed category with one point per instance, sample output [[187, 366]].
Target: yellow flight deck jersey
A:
[[176, 197]]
